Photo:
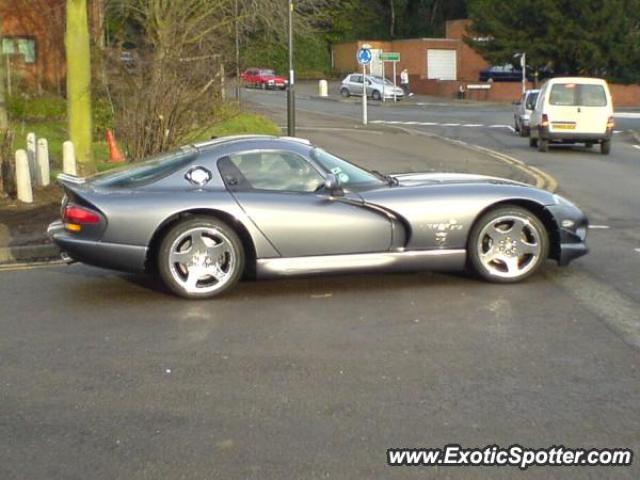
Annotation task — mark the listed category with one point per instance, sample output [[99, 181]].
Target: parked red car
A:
[[263, 78]]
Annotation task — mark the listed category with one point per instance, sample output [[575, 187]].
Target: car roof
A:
[[231, 139], [587, 80]]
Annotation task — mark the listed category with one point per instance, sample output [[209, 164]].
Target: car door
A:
[[283, 194], [355, 84], [594, 108]]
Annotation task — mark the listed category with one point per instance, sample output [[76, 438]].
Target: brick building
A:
[[449, 58], [438, 66], [33, 40]]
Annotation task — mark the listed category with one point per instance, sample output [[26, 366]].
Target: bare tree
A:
[[173, 86]]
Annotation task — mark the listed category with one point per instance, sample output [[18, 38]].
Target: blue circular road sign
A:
[[364, 56]]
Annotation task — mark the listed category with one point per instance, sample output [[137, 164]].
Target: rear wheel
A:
[[533, 142], [543, 145], [345, 92], [508, 244], [605, 147], [516, 127], [200, 258], [376, 95]]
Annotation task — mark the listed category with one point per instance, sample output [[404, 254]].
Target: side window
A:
[[271, 171], [356, 78]]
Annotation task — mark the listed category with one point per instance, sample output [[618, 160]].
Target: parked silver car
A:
[[523, 109], [376, 87]]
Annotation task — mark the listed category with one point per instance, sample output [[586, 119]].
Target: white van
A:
[[573, 110]]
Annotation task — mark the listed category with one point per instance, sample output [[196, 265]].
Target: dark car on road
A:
[[207, 214], [501, 73]]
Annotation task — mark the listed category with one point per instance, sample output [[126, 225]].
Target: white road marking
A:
[[627, 115], [637, 146], [436, 124], [637, 250], [599, 227]]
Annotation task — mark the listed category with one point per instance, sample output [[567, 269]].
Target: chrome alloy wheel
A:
[[202, 260], [509, 246]]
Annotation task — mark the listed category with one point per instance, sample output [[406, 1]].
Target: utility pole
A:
[[237, 53], [523, 65], [291, 97], [4, 121]]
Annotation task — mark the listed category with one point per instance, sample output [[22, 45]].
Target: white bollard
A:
[[23, 177], [31, 156], [43, 162], [323, 88], [69, 158]]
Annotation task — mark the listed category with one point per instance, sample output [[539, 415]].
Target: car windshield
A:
[[268, 73], [145, 172], [348, 174]]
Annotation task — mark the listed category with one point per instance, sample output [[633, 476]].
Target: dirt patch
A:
[[26, 224]]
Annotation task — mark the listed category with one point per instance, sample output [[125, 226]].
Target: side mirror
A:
[[332, 184]]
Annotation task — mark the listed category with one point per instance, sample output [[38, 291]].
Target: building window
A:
[[22, 46]]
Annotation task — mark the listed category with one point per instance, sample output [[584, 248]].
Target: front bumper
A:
[[115, 256], [571, 232]]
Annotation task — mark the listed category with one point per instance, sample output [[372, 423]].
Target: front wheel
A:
[[344, 92], [200, 257], [508, 244], [376, 95]]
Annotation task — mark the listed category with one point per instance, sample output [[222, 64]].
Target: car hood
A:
[[416, 179]]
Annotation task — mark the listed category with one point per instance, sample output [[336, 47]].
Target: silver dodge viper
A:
[[203, 216]]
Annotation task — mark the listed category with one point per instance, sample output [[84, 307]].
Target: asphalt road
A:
[[104, 376]]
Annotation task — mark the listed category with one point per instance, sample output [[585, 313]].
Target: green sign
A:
[[389, 56]]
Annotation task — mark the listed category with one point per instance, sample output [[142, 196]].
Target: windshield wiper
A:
[[386, 178]]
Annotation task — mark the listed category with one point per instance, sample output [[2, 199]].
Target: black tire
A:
[[533, 142], [345, 93], [543, 145], [516, 127], [524, 132], [164, 265], [605, 147], [376, 95], [588, 145], [474, 253]]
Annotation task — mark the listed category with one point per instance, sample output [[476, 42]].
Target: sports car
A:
[[208, 214]]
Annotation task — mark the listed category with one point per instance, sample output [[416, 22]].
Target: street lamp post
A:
[[523, 64], [291, 98], [237, 53]]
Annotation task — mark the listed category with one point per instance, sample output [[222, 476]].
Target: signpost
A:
[[393, 57], [364, 58]]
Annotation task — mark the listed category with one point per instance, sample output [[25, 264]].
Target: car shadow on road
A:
[[139, 287]]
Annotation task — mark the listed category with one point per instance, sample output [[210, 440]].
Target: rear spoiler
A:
[[64, 178]]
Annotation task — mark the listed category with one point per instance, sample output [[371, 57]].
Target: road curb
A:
[[28, 253], [543, 180]]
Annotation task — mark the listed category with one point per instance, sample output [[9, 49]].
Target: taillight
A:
[[545, 120], [610, 123], [75, 216]]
